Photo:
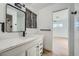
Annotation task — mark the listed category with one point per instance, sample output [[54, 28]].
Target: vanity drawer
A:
[[31, 44], [18, 51]]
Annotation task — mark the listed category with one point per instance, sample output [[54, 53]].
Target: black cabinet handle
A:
[[15, 24], [37, 46]]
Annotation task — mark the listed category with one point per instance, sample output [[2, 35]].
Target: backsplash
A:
[[6, 35]]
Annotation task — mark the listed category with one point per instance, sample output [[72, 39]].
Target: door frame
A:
[[70, 29]]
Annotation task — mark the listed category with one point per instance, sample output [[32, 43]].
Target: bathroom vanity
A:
[[30, 46]]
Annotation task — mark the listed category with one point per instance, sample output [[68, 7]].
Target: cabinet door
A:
[[33, 51]]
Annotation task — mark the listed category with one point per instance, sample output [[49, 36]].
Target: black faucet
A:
[[2, 26]]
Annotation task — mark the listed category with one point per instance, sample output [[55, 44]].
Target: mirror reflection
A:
[[15, 19]]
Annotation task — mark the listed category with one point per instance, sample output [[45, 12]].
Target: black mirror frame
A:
[[6, 17]]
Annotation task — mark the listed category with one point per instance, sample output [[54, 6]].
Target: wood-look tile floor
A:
[[60, 47], [46, 53]]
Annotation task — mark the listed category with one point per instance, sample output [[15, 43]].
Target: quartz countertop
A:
[[7, 44]]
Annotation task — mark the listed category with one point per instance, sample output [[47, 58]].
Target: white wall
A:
[[45, 18], [76, 44]]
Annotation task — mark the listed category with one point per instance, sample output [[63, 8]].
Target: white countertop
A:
[[14, 42]]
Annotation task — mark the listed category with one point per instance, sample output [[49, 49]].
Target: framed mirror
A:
[[15, 19]]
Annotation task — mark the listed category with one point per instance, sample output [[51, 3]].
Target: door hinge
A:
[[75, 12]]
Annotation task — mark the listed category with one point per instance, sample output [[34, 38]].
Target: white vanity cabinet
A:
[[17, 51], [33, 51], [31, 47], [37, 49]]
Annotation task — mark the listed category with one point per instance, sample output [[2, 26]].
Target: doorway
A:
[[60, 32]]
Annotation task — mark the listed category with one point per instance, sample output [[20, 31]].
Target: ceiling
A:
[[38, 6]]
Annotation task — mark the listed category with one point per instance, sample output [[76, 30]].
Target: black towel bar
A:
[[45, 29]]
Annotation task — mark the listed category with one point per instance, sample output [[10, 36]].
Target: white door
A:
[[70, 29]]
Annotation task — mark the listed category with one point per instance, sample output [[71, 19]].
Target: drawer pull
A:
[[37, 46]]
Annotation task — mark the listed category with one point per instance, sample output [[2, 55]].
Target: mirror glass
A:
[[15, 19]]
